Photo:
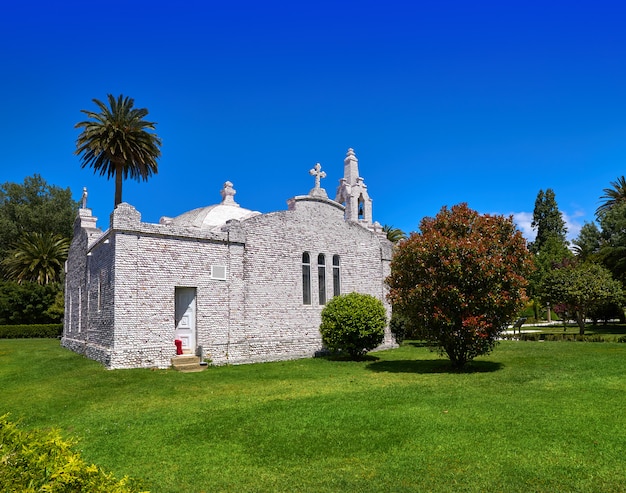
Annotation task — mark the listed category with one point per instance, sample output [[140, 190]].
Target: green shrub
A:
[[398, 327], [560, 337], [353, 323], [34, 461], [510, 337], [540, 336], [593, 338], [402, 329], [530, 337], [31, 331], [30, 303]]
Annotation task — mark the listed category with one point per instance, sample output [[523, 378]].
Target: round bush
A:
[[353, 323]]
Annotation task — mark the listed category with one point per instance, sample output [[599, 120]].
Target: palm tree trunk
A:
[[118, 183]]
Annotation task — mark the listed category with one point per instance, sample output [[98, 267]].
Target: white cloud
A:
[[524, 220], [573, 224]]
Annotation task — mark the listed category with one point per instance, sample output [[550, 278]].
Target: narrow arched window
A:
[[336, 276], [306, 278], [69, 313], [80, 309], [321, 277], [361, 209], [99, 299]]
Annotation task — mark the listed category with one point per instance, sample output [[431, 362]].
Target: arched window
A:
[[306, 278], [99, 299], [336, 276], [361, 207], [321, 277], [80, 309]]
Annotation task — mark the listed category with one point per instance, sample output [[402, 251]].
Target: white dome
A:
[[213, 216]]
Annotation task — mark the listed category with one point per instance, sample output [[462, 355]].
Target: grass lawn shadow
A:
[[419, 344], [347, 357], [433, 366]]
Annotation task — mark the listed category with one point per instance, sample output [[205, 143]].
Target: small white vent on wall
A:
[[218, 272]]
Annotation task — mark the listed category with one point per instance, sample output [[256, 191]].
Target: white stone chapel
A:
[[232, 284]]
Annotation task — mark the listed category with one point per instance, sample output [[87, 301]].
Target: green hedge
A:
[[35, 461], [49, 331], [538, 336]]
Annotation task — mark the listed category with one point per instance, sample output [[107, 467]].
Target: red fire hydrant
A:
[[179, 346]]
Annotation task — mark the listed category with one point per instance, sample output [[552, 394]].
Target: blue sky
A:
[[443, 101]]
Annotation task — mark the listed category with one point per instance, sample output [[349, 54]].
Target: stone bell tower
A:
[[352, 192]]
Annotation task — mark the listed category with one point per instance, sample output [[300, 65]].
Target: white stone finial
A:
[[318, 191], [84, 198], [228, 194], [351, 167]]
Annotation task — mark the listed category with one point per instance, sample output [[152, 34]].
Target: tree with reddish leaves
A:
[[461, 280]]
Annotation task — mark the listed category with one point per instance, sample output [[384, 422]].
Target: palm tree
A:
[[37, 257], [612, 196], [394, 235], [115, 142]]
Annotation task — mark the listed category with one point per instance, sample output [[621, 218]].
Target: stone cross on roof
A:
[[318, 191], [318, 173]]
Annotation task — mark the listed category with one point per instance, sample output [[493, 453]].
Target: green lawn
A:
[[533, 416]]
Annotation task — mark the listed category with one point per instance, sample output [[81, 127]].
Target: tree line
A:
[[35, 231], [583, 280]]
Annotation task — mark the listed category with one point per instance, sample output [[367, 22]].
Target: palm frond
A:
[[394, 234], [612, 196], [117, 140], [37, 257]]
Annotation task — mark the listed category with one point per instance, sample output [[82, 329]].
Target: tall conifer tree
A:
[[547, 221], [550, 246]]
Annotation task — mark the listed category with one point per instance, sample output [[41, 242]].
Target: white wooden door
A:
[[186, 318]]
